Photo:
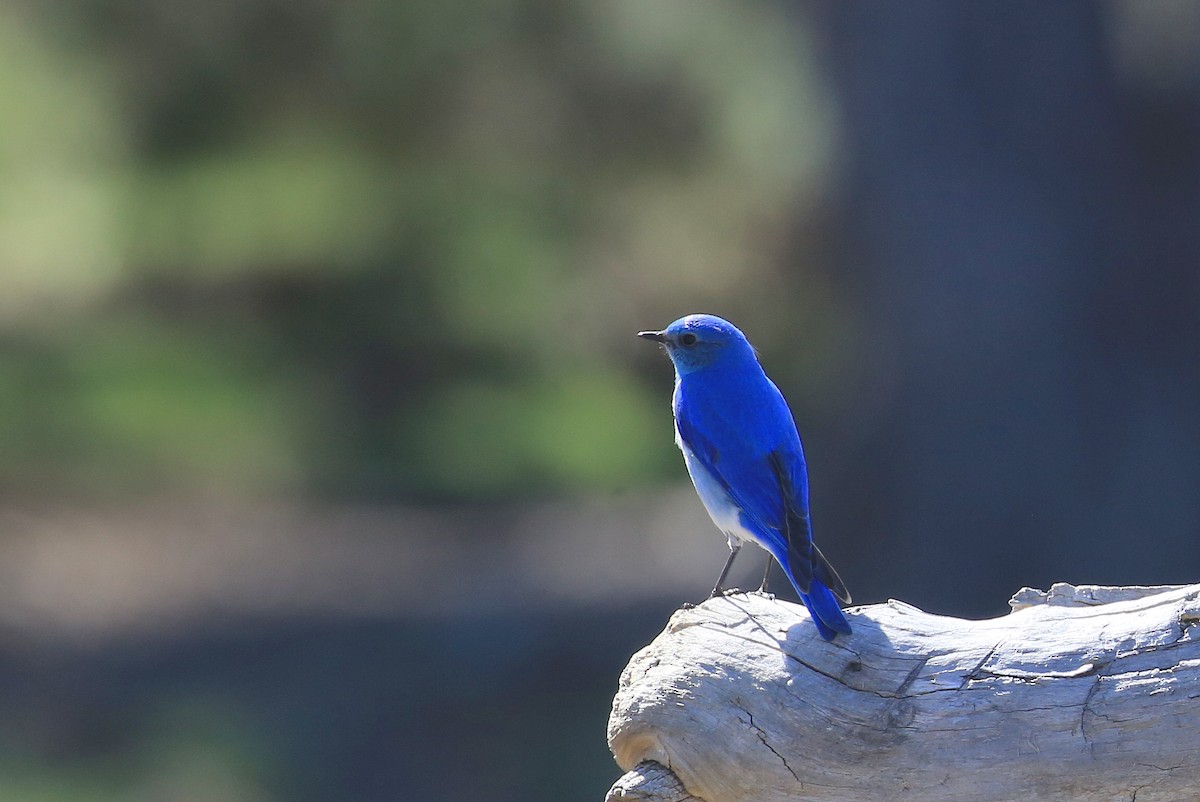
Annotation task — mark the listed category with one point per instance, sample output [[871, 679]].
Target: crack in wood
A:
[[1033, 676], [1084, 710], [912, 675], [973, 674], [762, 737]]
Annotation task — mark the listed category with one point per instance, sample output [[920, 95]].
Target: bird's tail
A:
[[821, 595], [825, 611]]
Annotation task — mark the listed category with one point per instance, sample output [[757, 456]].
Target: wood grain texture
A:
[[1080, 694], [649, 782]]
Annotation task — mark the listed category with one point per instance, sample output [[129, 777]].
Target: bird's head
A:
[[700, 341]]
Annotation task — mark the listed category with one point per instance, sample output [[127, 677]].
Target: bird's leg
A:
[[733, 550], [766, 574]]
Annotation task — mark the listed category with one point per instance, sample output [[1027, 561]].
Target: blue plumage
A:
[[743, 452]]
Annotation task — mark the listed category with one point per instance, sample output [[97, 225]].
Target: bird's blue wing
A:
[[771, 490], [803, 554], [797, 528], [748, 479]]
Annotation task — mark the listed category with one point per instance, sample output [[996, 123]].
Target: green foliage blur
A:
[[387, 249]]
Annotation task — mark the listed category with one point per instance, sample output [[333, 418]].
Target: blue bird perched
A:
[[743, 452]]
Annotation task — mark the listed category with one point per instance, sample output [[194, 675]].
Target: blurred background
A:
[[330, 467]]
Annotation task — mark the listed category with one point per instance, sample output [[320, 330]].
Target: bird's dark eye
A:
[[688, 339]]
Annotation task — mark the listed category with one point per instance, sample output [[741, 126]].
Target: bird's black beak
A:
[[657, 336]]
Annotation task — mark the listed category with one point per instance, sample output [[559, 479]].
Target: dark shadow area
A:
[[498, 707]]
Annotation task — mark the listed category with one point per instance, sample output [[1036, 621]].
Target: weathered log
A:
[[1081, 693]]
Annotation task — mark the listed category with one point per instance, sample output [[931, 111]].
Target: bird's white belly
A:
[[721, 507]]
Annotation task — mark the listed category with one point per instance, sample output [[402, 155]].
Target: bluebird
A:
[[743, 452]]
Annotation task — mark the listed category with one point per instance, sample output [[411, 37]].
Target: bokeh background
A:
[[330, 467]]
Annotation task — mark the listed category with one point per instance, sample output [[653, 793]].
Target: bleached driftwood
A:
[[1081, 693]]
